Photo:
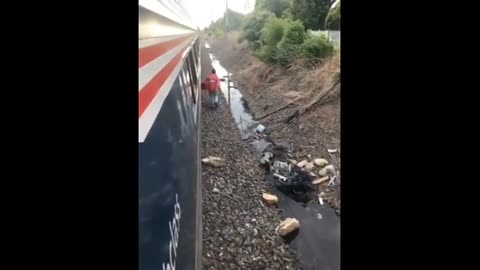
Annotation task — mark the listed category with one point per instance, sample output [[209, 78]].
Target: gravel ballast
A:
[[238, 227]]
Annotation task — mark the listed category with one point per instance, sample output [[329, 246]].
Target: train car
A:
[[169, 138]]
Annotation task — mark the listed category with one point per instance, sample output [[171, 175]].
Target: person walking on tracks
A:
[[213, 85]]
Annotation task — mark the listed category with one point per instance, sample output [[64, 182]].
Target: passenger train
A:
[[170, 231]]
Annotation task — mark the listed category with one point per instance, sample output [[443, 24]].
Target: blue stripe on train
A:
[[168, 167]]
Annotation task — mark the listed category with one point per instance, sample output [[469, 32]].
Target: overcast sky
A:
[[203, 12]]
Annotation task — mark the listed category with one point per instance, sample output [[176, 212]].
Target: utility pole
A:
[[226, 18], [226, 30], [228, 81]]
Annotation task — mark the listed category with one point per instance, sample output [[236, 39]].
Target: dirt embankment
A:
[[301, 106]]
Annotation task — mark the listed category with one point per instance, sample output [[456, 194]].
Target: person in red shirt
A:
[[213, 85]]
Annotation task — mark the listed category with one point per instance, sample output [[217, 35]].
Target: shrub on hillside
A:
[[294, 32], [268, 53], [315, 48], [288, 47], [272, 31], [271, 35]]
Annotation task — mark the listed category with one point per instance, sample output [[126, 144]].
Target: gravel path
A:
[[238, 228]]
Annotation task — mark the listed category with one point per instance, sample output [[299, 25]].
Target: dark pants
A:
[[213, 98]]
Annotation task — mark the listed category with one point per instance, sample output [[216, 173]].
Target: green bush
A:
[[273, 30], [315, 48], [272, 33], [286, 53], [294, 33], [281, 40], [268, 53], [288, 47]]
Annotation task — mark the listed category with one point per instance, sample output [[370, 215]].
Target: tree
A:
[[311, 12], [253, 27], [332, 22], [235, 21], [277, 7]]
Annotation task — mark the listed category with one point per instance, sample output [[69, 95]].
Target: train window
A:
[[194, 69], [192, 85], [193, 77], [191, 59], [189, 82], [198, 52], [195, 53], [182, 101]]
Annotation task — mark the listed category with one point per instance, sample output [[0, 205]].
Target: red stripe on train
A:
[[150, 53], [149, 91]]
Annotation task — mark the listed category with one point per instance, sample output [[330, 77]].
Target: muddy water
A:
[[237, 103], [317, 242]]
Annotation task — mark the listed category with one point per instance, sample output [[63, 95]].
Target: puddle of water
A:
[[242, 117], [317, 242], [238, 107]]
